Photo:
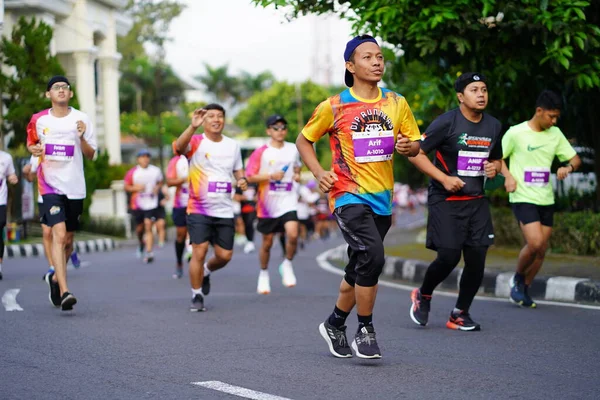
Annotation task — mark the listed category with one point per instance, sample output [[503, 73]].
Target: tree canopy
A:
[[28, 64]]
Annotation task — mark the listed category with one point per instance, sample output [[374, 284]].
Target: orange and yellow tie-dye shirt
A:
[[362, 136]]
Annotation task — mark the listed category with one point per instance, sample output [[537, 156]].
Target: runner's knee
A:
[[448, 257], [371, 265]]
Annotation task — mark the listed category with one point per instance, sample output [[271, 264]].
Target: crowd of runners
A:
[[217, 195]]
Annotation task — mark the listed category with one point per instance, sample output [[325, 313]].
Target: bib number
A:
[[470, 163], [536, 176], [59, 150], [280, 187], [373, 146], [219, 187]]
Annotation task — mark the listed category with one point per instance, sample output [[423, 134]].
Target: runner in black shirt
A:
[[247, 199], [467, 149]]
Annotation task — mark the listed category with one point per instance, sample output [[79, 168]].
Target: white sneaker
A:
[[240, 240], [264, 285], [249, 247], [287, 274]]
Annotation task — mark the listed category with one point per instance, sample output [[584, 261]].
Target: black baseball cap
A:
[[467, 78], [273, 119], [350, 47], [57, 79]]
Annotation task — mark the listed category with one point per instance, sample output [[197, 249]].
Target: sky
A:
[[254, 39]]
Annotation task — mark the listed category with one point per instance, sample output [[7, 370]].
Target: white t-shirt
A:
[[306, 198], [61, 167], [275, 198], [6, 168], [149, 177], [211, 175]]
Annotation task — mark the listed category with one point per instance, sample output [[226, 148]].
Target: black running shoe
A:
[[336, 340], [419, 310], [365, 343], [54, 294], [0, 276], [197, 304], [148, 258], [206, 285], [461, 321], [67, 301]]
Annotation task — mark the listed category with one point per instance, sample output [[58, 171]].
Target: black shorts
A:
[[218, 231], [139, 216], [459, 223], [364, 232], [2, 219], [59, 208], [275, 225], [527, 213], [41, 211], [180, 217]]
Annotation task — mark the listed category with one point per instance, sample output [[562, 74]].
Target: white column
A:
[[110, 99], [85, 90]]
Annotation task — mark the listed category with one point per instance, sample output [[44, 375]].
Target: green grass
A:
[[504, 259]]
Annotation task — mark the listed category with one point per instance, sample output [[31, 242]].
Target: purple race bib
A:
[[536, 176], [280, 187], [470, 163], [373, 146], [59, 150], [219, 187]]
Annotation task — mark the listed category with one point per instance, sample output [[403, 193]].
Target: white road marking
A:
[[326, 265], [9, 300], [238, 391]]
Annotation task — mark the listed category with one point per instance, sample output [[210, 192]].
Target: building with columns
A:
[[85, 43]]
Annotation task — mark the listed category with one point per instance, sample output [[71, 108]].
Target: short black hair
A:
[[215, 106], [549, 100]]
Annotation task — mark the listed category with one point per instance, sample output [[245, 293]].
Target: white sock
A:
[[287, 262], [196, 291], [264, 273], [206, 270], [52, 267]]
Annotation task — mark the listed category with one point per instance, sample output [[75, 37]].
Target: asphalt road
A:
[[131, 336]]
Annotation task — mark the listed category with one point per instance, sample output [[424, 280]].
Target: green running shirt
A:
[[531, 154]]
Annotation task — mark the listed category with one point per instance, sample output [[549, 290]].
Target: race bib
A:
[[59, 150], [280, 187], [373, 146], [219, 186], [536, 176], [470, 163]]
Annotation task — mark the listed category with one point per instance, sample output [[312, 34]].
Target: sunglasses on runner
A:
[[279, 128]]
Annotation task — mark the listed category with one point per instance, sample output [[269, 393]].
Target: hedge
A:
[[574, 232]]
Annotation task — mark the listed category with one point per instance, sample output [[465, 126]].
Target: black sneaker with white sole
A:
[[197, 304], [365, 343], [54, 294], [67, 301], [206, 285], [336, 340]]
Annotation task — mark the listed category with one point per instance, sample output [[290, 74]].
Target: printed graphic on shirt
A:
[[362, 136]]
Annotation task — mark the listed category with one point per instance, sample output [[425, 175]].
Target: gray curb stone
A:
[[555, 288], [37, 250]]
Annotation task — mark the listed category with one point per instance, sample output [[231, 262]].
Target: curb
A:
[[37, 250], [554, 288]]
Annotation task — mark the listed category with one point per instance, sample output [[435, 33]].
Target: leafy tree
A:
[[294, 102], [523, 47], [251, 84], [224, 87], [138, 88], [28, 64], [143, 125]]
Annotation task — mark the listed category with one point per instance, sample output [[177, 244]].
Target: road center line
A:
[[327, 266], [238, 391], [9, 300]]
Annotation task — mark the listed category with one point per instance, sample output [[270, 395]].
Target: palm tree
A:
[[225, 88]]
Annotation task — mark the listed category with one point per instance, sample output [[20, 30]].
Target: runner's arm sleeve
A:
[[496, 152], [90, 134], [508, 144], [32, 135], [11, 167], [320, 123], [408, 125], [435, 134], [564, 150]]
